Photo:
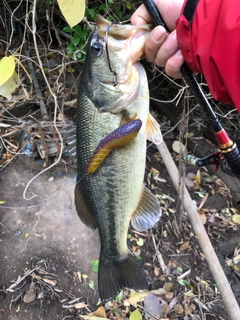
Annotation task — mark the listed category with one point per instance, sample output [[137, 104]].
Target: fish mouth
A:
[[124, 35], [119, 31]]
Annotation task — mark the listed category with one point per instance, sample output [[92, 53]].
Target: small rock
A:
[[17, 232]]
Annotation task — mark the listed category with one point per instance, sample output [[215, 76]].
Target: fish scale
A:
[[108, 198]]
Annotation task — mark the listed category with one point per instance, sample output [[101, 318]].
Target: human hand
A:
[[162, 47]]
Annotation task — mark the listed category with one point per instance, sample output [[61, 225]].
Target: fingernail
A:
[[158, 34]]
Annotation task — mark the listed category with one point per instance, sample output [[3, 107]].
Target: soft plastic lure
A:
[[118, 138]]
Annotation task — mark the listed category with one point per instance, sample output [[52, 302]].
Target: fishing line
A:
[[108, 59], [81, 178]]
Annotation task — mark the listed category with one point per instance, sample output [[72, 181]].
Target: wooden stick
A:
[[203, 239]]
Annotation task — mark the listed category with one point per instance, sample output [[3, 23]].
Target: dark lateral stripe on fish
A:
[[118, 138]]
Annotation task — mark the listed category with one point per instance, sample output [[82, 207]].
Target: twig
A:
[[2, 225], [159, 256], [33, 75], [206, 246], [15, 284], [34, 29]]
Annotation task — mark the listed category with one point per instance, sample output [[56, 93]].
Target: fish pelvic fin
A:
[[118, 138], [82, 210], [148, 212], [122, 272], [153, 130]]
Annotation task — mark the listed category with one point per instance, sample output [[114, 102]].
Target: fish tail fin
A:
[[116, 274]]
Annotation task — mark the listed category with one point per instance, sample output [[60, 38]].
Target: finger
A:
[[174, 64], [170, 11], [140, 16], [154, 41], [167, 49]]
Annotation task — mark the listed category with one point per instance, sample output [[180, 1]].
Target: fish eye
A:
[[96, 48]]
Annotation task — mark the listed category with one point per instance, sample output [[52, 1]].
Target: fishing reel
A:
[[217, 159]]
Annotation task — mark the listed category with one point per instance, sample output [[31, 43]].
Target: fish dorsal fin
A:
[[82, 210], [153, 130], [148, 211]]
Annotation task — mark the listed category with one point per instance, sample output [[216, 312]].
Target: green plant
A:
[[79, 37]]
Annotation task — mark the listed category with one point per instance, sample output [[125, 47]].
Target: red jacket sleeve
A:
[[211, 46]]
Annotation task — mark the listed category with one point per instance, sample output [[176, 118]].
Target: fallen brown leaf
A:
[[185, 246], [30, 294], [51, 282], [100, 312], [80, 305]]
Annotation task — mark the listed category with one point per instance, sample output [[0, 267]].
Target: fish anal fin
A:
[[153, 130], [118, 273], [147, 213], [82, 210]]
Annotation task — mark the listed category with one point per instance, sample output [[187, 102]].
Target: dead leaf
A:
[[51, 282], [220, 183], [204, 199], [202, 216], [185, 246], [79, 276], [165, 309], [60, 116], [168, 286], [197, 179], [30, 294], [80, 305], [136, 297], [234, 210], [100, 312], [173, 303], [93, 318], [153, 306], [178, 147], [188, 135], [187, 310], [154, 172], [236, 218], [169, 295], [178, 308]]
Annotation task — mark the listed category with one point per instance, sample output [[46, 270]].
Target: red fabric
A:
[[212, 46]]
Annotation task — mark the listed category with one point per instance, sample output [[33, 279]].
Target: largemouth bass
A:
[[113, 97]]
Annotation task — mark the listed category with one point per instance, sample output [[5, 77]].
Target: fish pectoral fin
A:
[[153, 130], [148, 212], [118, 138], [82, 210]]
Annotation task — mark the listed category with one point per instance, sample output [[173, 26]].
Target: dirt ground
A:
[[43, 232], [46, 252]]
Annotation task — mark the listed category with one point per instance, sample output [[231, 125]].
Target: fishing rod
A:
[[229, 154]]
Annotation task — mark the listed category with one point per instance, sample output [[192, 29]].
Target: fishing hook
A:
[[108, 59]]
